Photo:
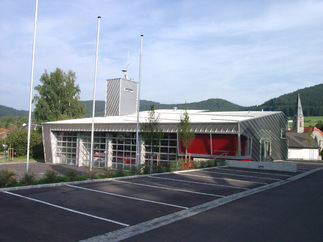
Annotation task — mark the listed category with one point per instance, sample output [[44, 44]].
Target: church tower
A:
[[298, 121]]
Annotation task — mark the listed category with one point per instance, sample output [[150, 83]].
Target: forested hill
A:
[[311, 99], [11, 112], [210, 104]]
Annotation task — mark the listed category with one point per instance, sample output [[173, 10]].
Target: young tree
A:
[[59, 97], [151, 131], [186, 136]]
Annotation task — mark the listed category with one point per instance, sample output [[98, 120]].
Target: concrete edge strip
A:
[[231, 179], [255, 172], [93, 180], [240, 175], [137, 229]]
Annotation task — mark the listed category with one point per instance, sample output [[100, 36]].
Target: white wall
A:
[[304, 154]]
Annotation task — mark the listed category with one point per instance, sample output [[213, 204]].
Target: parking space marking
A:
[[168, 188], [217, 178], [201, 183], [255, 172], [67, 209], [137, 229], [128, 197], [223, 173]]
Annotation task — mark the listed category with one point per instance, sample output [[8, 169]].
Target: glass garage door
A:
[[66, 148]]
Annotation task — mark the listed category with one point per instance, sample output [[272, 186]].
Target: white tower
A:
[[298, 120], [121, 97]]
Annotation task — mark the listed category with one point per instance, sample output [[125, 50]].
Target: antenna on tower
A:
[[127, 69], [128, 61]]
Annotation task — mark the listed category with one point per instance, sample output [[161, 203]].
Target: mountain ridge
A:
[[311, 98]]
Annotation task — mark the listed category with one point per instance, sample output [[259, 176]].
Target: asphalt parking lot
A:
[[155, 207]]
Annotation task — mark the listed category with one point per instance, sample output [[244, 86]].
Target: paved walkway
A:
[[212, 204], [39, 168]]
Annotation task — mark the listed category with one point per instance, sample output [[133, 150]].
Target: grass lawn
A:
[[312, 120], [19, 159], [309, 120]]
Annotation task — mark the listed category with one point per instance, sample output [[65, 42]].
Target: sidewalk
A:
[[39, 168]]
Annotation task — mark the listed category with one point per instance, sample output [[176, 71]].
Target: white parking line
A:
[[254, 172], [217, 178], [124, 196], [168, 188], [223, 173], [67, 209], [200, 183]]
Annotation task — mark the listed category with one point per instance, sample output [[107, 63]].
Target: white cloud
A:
[[244, 51]]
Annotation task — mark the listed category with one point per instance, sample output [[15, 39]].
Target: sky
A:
[[246, 52]]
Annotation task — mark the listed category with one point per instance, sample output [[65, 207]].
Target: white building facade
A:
[[257, 136]]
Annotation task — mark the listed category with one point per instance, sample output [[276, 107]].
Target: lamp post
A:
[[94, 90], [138, 105], [31, 87]]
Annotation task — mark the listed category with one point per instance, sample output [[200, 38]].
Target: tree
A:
[[151, 131], [186, 136], [18, 141], [319, 125], [59, 97]]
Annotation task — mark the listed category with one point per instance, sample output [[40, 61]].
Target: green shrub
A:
[[134, 170], [146, 169], [107, 172], [28, 179], [120, 172], [211, 163], [72, 174], [176, 165], [92, 174], [61, 179], [81, 177], [50, 176], [7, 176]]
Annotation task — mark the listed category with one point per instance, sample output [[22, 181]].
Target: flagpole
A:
[[138, 105], [94, 90], [31, 86]]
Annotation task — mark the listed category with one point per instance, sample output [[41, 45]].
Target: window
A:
[[167, 149], [66, 148], [128, 90], [123, 150], [99, 148], [283, 133]]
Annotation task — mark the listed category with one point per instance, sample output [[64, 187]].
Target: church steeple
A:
[[298, 121]]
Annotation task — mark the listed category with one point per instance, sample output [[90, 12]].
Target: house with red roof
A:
[[3, 133], [316, 134]]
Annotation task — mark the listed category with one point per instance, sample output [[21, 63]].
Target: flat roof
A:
[[173, 116]]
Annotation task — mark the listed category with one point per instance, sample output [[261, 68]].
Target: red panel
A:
[[222, 144], [225, 144], [200, 145]]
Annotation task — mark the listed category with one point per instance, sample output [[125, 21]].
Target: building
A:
[[316, 134], [257, 136], [301, 146], [301, 141]]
